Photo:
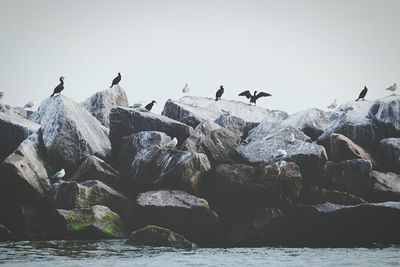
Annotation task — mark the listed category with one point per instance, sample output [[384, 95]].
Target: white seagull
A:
[[392, 88], [291, 138], [172, 144], [186, 89], [58, 176], [333, 105], [30, 104]]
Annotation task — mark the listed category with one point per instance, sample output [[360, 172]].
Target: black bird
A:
[[59, 87], [253, 98], [362, 94], [150, 105], [219, 93], [116, 80]]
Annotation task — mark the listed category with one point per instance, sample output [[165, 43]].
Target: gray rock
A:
[[101, 103], [161, 168], [386, 113], [389, 150], [5, 234], [192, 143], [126, 121], [94, 168], [13, 130], [184, 214], [386, 187], [70, 133], [317, 195], [94, 223], [236, 125], [132, 144], [155, 236], [71, 195]]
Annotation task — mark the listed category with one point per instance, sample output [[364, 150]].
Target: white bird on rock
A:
[[172, 144], [58, 176], [186, 89], [392, 88], [291, 138], [136, 105], [281, 153], [333, 105], [30, 104], [226, 112]]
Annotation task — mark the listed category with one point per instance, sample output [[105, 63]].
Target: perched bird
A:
[[226, 112], [59, 87], [186, 89], [291, 139], [219, 93], [1, 95], [172, 144], [58, 176], [150, 105], [29, 104], [392, 88], [362, 94], [253, 98], [281, 153], [116, 80], [333, 105]]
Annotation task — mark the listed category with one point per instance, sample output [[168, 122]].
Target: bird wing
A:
[[363, 93], [262, 94], [246, 94]]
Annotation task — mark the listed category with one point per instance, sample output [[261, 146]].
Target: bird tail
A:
[[216, 98], [357, 99], [52, 95]]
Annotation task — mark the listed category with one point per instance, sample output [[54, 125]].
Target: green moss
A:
[[77, 227], [110, 229]]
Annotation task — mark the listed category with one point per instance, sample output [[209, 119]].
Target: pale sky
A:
[[304, 52]]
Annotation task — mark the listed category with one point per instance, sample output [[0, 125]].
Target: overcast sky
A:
[[304, 52]]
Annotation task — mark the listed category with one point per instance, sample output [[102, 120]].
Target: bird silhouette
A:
[[150, 105], [362, 94], [59, 87], [116, 80], [219, 93], [186, 89], [253, 98]]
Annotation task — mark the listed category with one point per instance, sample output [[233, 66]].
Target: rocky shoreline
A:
[[240, 175]]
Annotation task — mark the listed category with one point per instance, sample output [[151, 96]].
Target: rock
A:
[[386, 113], [389, 150], [94, 223], [70, 133], [101, 103], [311, 122], [386, 187], [342, 148], [5, 234], [351, 176], [71, 195], [126, 121], [94, 168], [242, 187], [184, 214], [155, 236], [236, 125], [132, 144], [317, 195], [13, 130], [194, 110], [355, 124], [161, 168], [218, 144], [289, 145]]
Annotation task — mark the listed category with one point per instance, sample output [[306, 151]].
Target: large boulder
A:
[[386, 113], [94, 168], [312, 122], [162, 168], [194, 110], [13, 130], [217, 143], [94, 223], [317, 195], [389, 150], [101, 103], [234, 187], [236, 125], [70, 133], [132, 144], [73, 195], [155, 236], [5, 234], [386, 187], [126, 121], [181, 212], [290, 145], [356, 124]]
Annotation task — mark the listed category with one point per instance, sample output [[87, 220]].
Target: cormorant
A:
[[59, 87], [333, 105], [150, 105], [186, 89], [172, 144], [392, 88], [362, 94], [253, 98], [116, 80], [219, 93]]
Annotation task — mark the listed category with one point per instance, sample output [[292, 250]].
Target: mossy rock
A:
[[97, 222], [156, 236]]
